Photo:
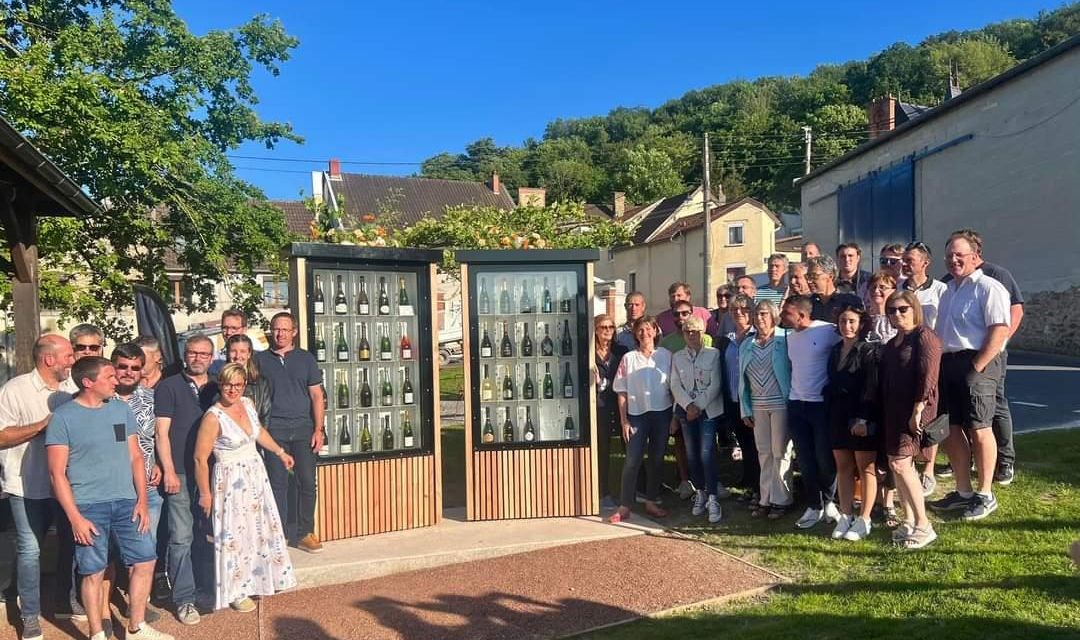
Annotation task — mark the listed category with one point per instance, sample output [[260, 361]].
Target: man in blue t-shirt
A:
[[96, 469]]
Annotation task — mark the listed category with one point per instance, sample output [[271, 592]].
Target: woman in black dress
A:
[[607, 355]]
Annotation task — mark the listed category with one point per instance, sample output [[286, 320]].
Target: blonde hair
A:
[[232, 372]]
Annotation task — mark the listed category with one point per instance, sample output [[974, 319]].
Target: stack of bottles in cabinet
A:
[[528, 327], [365, 329]]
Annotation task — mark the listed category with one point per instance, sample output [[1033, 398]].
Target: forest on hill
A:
[[755, 126]]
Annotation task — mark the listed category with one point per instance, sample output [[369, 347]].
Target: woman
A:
[[881, 286], [696, 382], [644, 400], [606, 356], [721, 316], [764, 382], [851, 396], [250, 554], [742, 308], [239, 349], [909, 372]]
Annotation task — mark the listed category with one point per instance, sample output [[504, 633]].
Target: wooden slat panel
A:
[[532, 483]]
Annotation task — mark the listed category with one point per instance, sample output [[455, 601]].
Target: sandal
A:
[[759, 510], [892, 521], [901, 533], [618, 517], [777, 511], [919, 538]]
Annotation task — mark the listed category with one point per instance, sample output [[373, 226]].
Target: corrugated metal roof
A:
[[659, 215], [413, 198]]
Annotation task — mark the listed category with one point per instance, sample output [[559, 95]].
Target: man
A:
[[86, 340], [97, 475], [915, 265], [774, 289], [849, 277], [810, 250], [746, 286], [26, 404], [233, 323], [296, 419], [152, 367], [721, 315], [798, 283], [1003, 427], [179, 403], [635, 308], [808, 346], [676, 341], [890, 261], [679, 292], [827, 300], [973, 323]]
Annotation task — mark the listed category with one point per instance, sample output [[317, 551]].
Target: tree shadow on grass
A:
[[1057, 587]]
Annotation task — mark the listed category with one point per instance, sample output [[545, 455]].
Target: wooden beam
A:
[[17, 209]]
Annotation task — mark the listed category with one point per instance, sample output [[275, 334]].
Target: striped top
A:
[[764, 388], [765, 292]]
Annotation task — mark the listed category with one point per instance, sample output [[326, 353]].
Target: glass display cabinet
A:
[[366, 314], [530, 401]]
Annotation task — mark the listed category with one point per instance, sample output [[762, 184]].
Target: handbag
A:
[[871, 427], [935, 431]]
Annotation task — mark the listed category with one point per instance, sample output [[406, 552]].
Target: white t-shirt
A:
[[929, 296], [808, 351], [644, 380], [25, 400], [969, 307]]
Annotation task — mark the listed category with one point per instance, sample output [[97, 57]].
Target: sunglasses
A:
[[899, 309], [683, 314], [87, 347], [610, 327], [129, 367], [726, 296], [918, 245], [888, 262]]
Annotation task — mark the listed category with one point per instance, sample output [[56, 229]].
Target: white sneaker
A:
[[722, 491], [859, 530], [685, 490], [832, 514], [809, 518], [843, 523], [145, 631], [699, 504], [715, 513]]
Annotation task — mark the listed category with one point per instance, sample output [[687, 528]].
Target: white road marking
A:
[[1032, 404], [1040, 367]]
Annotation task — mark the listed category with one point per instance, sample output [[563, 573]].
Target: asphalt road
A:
[[1043, 390]]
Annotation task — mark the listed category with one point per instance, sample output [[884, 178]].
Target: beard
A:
[[125, 389]]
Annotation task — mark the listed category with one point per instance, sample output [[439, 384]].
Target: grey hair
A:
[[778, 256], [824, 263], [85, 329]]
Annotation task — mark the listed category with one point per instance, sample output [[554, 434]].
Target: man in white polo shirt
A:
[[973, 323]]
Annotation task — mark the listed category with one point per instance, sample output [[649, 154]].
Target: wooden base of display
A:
[[531, 483]]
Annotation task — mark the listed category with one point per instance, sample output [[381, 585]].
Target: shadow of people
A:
[[295, 628]]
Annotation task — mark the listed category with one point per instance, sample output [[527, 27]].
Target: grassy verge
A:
[[1005, 577], [452, 382]]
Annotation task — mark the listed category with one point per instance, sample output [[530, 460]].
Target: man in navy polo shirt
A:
[[296, 419]]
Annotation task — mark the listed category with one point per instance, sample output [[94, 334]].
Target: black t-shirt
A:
[[1002, 275], [291, 377], [178, 398], [826, 311]]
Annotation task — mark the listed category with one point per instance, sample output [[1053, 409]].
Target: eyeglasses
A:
[[888, 262], [282, 330], [726, 296], [957, 256], [899, 309], [683, 314], [87, 347], [233, 385], [690, 331], [607, 327], [129, 367], [200, 354]]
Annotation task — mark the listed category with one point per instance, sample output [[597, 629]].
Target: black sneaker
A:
[[107, 627], [76, 612], [943, 470], [981, 506], [1004, 474], [952, 501], [31, 629]]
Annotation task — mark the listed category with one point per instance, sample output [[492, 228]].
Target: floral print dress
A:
[[250, 554]]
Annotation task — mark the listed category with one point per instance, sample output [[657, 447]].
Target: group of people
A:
[[855, 377], [100, 446]]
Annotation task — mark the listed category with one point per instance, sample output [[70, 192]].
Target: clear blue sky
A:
[[400, 81]]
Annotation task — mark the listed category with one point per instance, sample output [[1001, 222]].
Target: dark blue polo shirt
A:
[[178, 398], [290, 376]]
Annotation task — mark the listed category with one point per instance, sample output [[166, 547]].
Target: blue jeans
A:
[[180, 510], [112, 519], [809, 428], [32, 519], [154, 502], [298, 443], [700, 439], [650, 433]]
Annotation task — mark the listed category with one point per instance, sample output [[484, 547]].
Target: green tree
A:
[[565, 168], [974, 60], [647, 175], [141, 112]]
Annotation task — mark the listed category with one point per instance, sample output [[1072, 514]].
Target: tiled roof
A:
[[658, 216], [694, 221], [296, 215], [419, 197]]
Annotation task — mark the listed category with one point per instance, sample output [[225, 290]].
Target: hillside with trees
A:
[[755, 126]]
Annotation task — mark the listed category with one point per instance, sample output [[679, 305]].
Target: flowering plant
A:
[[334, 226]]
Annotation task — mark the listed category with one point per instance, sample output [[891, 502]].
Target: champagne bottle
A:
[[484, 306], [320, 344], [324, 450], [387, 435], [406, 388], [403, 294], [387, 389], [526, 298], [567, 344], [527, 390], [506, 347], [365, 434], [526, 343], [567, 382], [342, 345], [406, 431], [547, 347], [487, 387], [549, 384], [508, 427], [384, 298], [488, 435], [345, 446], [568, 427], [364, 350], [363, 304], [320, 299], [404, 344], [365, 389], [546, 304], [386, 352], [342, 390], [530, 430], [508, 386], [486, 348], [564, 300], [504, 300], [341, 305]]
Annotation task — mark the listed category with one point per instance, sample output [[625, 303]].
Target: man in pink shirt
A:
[[677, 292]]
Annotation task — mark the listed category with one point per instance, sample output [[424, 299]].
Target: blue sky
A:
[[401, 81]]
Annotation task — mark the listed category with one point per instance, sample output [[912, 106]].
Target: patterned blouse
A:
[[764, 388], [141, 402]]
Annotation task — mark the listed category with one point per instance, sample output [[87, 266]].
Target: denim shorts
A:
[[113, 522]]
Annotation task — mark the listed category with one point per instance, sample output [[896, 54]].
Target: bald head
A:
[[53, 357]]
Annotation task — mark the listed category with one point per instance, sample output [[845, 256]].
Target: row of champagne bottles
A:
[[509, 433], [507, 347], [364, 353], [344, 395], [509, 386], [388, 439], [361, 302], [531, 300]]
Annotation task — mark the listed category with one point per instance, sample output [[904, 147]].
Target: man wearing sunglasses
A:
[[890, 261], [680, 292], [86, 340]]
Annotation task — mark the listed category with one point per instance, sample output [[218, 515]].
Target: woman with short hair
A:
[[607, 354]]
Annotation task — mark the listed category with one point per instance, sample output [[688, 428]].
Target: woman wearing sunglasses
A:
[[607, 355], [909, 392]]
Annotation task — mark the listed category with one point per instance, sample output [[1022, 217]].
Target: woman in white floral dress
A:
[[250, 554]]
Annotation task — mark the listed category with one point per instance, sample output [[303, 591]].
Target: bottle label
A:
[[485, 352], [384, 309], [320, 355], [408, 442], [403, 310], [568, 435], [365, 354], [406, 354], [346, 449], [508, 395], [529, 436], [568, 391], [319, 307], [324, 450], [489, 437], [408, 397], [343, 355], [365, 308], [388, 400], [341, 308], [485, 395], [386, 355]]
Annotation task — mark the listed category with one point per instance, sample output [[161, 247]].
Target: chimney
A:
[[619, 204], [335, 169], [495, 186], [882, 115], [532, 197]]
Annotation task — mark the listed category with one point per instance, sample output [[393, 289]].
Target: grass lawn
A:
[[1007, 576], [451, 382]]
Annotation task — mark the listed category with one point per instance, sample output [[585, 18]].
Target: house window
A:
[[631, 282], [275, 292], [735, 272], [611, 255], [182, 291], [735, 234]]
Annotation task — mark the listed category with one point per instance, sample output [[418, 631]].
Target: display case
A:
[[366, 314], [530, 398]]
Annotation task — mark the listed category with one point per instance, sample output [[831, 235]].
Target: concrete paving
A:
[[1042, 391]]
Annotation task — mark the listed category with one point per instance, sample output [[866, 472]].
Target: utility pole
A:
[[809, 136], [706, 199]]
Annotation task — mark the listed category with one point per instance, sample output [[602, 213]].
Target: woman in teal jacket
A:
[[764, 382]]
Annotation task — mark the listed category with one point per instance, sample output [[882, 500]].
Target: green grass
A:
[[452, 382], [1005, 577]]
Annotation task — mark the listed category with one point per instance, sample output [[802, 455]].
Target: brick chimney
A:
[[496, 187], [532, 197], [619, 206], [335, 169], [882, 115]]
